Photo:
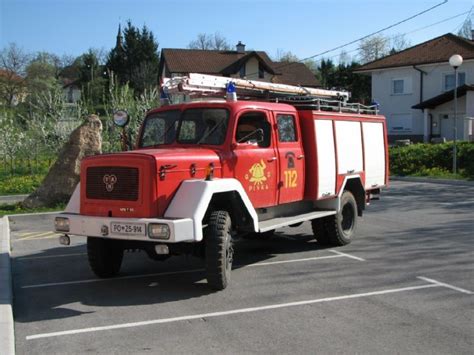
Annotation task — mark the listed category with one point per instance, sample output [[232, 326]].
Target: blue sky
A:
[[304, 27]]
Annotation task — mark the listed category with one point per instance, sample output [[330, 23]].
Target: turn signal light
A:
[[61, 224], [158, 231], [210, 171]]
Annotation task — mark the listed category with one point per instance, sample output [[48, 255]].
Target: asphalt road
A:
[[403, 286]]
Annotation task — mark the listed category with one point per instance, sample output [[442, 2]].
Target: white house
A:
[[415, 90]]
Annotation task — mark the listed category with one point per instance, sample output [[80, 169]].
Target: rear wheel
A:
[[339, 229], [320, 230], [219, 250], [105, 256], [343, 225]]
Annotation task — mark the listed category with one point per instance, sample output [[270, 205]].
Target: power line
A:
[[458, 28], [407, 33], [362, 38], [376, 32]]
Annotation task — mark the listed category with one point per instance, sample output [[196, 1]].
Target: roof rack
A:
[[311, 103], [304, 98]]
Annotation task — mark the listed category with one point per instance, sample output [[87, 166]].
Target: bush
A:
[[432, 159]]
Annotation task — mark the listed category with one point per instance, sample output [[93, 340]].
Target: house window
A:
[[242, 71], [261, 71], [401, 86], [398, 86], [449, 82], [400, 123]]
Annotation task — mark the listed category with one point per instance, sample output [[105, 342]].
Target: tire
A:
[[341, 227], [219, 250], [105, 256], [320, 230]]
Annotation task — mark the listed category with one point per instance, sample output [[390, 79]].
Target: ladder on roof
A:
[[201, 85]]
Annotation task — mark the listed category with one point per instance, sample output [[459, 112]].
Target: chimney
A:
[[240, 47]]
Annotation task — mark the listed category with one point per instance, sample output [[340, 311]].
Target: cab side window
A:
[[286, 128], [253, 128]]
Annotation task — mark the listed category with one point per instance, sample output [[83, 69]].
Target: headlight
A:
[[158, 231], [61, 224]]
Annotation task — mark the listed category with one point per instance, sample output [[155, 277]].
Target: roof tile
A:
[[436, 50]]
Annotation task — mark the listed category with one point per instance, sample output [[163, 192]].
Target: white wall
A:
[[251, 71], [447, 124], [396, 105]]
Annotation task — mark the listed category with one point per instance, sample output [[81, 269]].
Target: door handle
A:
[[271, 159], [300, 157]]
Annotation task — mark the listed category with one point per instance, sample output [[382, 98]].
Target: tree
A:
[[326, 72], [214, 41], [399, 43], [466, 28], [286, 56], [42, 73], [342, 77], [13, 61], [344, 58], [135, 59], [373, 48]]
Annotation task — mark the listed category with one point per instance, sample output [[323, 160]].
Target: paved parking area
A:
[[403, 286]]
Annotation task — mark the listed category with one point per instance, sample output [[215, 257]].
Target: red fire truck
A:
[[206, 172]]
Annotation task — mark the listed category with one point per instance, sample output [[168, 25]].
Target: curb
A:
[[33, 214], [7, 337], [432, 181], [6, 199]]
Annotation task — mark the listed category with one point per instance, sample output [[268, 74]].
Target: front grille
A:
[[112, 183]]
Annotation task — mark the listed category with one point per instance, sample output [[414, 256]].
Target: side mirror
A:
[[121, 118]]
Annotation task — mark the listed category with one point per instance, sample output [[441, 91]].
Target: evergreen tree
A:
[[342, 77], [135, 58]]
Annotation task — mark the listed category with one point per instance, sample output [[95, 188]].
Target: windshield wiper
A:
[[165, 133], [211, 131]]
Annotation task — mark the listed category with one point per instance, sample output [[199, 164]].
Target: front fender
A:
[[193, 197]]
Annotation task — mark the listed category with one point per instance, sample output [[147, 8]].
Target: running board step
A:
[[286, 221]]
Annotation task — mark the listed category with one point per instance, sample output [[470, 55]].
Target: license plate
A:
[[127, 228]]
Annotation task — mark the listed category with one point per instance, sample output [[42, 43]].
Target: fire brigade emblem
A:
[[109, 181], [257, 176]]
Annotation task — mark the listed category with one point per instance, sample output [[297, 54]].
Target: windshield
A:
[[192, 126]]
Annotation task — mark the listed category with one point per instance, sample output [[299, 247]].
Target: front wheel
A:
[[219, 250], [105, 256]]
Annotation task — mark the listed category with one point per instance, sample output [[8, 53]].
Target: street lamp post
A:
[[455, 61]]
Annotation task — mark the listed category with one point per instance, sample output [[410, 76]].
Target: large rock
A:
[[64, 175]]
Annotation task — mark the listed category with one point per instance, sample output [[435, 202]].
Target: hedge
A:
[[432, 159]]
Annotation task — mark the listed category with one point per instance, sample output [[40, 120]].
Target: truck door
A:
[[255, 157], [290, 158]]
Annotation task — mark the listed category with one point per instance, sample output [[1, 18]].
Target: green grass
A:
[[16, 208], [25, 177], [19, 184]]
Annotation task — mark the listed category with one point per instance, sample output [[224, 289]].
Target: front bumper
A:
[[181, 229]]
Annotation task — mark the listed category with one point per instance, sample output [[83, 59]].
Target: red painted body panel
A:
[[265, 173], [145, 206]]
